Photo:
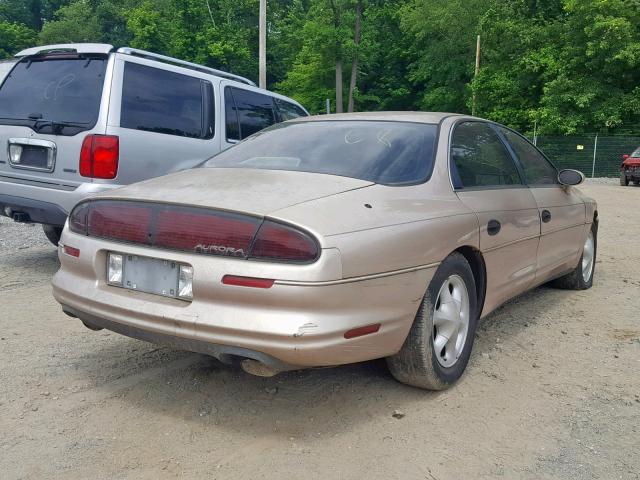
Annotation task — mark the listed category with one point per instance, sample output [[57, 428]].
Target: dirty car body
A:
[[313, 243]]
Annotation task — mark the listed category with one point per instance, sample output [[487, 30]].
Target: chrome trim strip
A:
[[357, 279]]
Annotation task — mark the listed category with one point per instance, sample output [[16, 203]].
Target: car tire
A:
[[636, 182], [53, 233], [420, 362], [624, 181], [579, 279]]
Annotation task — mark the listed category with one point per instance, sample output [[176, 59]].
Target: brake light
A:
[[193, 229], [205, 231], [119, 221], [99, 156], [282, 242]]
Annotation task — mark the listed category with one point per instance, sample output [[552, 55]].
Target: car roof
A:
[[419, 117], [77, 47]]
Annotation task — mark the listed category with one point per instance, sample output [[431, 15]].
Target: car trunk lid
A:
[[252, 191]]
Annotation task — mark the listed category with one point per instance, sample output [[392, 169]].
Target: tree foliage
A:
[[571, 66]]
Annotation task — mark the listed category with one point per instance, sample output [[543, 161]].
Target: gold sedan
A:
[[331, 240]]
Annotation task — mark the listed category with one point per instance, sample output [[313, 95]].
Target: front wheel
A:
[[581, 278], [624, 181], [437, 349], [53, 233]]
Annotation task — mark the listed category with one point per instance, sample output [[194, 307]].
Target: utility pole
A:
[[473, 107], [262, 54]]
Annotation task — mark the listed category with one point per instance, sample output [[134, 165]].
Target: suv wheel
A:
[[53, 233], [624, 181]]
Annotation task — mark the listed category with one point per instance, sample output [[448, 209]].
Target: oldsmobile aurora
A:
[[330, 240]]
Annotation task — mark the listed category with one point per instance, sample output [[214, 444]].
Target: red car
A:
[[630, 169]]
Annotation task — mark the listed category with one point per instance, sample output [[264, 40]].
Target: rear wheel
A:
[[624, 181], [581, 278], [53, 233], [636, 182], [438, 347]]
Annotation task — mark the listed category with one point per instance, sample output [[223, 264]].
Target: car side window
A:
[[231, 116], [288, 110], [255, 111], [537, 169], [160, 101], [480, 159]]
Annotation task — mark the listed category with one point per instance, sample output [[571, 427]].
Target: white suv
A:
[[77, 119]]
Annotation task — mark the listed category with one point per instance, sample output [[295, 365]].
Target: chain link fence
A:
[[594, 155]]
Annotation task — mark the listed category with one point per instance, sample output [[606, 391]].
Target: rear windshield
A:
[[378, 151], [636, 154], [60, 96]]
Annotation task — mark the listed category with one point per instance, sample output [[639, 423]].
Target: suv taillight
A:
[[99, 156]]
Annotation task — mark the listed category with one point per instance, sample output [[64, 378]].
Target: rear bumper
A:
[[299, 322], [45, 204]]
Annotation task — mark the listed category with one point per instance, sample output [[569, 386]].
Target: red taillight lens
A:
[[216, 233], [99, 156], [193, 229], [120, 221], [281, 242]]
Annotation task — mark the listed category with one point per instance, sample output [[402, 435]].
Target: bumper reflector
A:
[[74, 252], [247, 281], [360, 331]]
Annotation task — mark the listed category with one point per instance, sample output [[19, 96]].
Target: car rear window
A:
[[389, 153], [38, 92]]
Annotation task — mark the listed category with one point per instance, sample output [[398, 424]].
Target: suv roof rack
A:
[[183, 63]]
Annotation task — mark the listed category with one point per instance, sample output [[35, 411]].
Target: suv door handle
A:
[[546, 216], [493, 227]]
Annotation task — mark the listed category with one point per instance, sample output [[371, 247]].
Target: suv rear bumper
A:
[[44, 204]]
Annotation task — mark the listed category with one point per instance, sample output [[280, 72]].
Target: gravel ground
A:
[[552, 391]]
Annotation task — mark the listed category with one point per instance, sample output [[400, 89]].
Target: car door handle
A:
[[546, 216], [493, 227]]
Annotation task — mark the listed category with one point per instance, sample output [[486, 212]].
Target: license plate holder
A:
[[150, 275], [32, 154]]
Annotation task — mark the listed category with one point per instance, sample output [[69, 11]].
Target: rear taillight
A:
[[115, 220], [193, 229], [99, 156], [205, 231], [282, 242]]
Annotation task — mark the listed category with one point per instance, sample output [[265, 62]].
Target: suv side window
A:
[[480, 159], [231, 116], [537, 169], [254, 110], [288, 110], [160, 101]]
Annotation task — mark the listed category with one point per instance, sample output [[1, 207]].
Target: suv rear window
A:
[[60, 95], [160, 101], [390, 153]]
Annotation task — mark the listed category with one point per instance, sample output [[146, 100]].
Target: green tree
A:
[[14, 37]]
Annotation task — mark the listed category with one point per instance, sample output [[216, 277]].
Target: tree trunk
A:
[[354, 62], [339, 85]]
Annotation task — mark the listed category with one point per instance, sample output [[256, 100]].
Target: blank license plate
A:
[[150, 275]]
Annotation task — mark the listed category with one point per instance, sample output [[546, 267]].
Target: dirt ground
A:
[[552, 391]]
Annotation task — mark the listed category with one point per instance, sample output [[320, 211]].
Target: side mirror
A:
[[570, 177], [624, 157]]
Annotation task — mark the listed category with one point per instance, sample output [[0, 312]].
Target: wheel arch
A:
[[479, 270]]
